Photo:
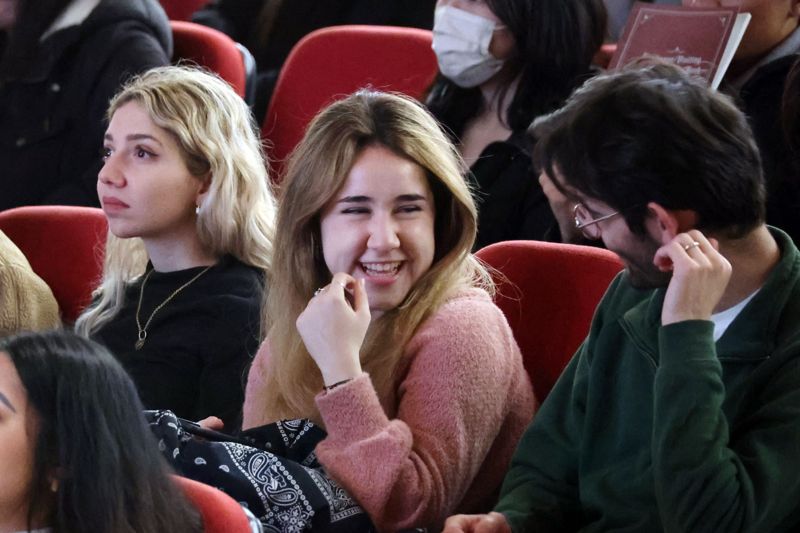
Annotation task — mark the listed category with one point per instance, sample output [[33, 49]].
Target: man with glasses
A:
[[681, 410]]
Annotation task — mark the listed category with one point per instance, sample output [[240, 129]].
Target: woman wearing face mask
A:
[[503, 63], [400, 354]]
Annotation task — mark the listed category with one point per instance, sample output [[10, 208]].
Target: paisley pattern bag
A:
[[272, 470]]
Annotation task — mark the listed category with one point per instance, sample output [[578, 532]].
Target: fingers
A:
[[360, 299], [687, 248], [495, 523], [345, 287], [481, 523], [333, 326], [341, 287], [461, 523], [700, 275], [211, 422]]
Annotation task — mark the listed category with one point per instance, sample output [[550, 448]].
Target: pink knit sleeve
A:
[[415, 469], [253, 414]]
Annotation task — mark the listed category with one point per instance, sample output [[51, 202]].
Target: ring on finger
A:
[[693, 244]]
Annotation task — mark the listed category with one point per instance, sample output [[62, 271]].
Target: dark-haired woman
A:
[[76, 454], [503, 63]]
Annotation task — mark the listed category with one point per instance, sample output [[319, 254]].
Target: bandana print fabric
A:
[[272, 470]]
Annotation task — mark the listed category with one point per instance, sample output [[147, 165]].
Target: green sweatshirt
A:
[[655, 428]]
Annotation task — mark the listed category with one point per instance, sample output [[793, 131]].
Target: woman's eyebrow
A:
[[4, 399], [411, 198], [355, 199]]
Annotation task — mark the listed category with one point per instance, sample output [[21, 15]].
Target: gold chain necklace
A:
[[143, 330]]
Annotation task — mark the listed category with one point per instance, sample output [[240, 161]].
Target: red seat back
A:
[[331, 63], [211, 49], [181, 9], [548, 293], [64, 245], [220, 512]]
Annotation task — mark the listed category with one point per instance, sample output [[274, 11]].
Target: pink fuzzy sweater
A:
[[461, 407]]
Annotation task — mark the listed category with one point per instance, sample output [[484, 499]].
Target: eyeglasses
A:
[[588, 225]]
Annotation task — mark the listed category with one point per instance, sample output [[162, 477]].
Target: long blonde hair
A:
[[317, 170], [217, 138]]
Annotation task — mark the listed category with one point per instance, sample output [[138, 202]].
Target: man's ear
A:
[[663, 224]]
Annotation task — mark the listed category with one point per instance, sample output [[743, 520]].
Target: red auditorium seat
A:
[[332, 63], [211, 49], [548, 293], [64, 245], [220, 512]]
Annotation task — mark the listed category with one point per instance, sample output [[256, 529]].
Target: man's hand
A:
[[562, 208], [477, 523], [700, 275]]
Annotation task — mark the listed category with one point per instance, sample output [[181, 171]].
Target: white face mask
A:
[[461, 43]]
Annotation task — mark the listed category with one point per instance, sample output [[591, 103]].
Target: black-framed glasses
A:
[[585, 222]]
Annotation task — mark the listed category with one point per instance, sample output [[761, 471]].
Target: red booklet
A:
[[701, 40]]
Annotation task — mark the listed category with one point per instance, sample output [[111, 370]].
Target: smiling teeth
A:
[[381, 268]]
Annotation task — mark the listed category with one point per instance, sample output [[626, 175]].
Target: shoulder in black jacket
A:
[[52, 119]]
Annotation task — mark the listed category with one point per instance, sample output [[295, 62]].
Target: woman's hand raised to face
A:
[[333, 326]]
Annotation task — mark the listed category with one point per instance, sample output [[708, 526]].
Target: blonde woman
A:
[[190, 216], [380, 327]]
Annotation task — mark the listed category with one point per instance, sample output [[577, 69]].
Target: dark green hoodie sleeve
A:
[[540, 491], [708, 475]]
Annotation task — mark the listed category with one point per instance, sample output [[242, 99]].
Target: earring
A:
[[197, 209]]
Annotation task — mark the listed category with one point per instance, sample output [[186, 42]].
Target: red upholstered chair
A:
[[549, 294], [211, 49], [64, 245], [331, 63], [220, 512], [182, 9]]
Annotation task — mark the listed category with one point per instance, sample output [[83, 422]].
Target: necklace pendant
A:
[[143, 330], [140, 342]]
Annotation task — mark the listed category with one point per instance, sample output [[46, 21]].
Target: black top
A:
[[760, 99], [199, 345], [511, 203]]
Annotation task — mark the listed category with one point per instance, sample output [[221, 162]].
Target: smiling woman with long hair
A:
[[379, 325], [76, 454]]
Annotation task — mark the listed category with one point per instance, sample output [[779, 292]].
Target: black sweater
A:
[[511, 203], [199, 345]]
